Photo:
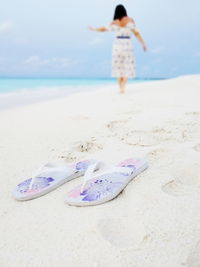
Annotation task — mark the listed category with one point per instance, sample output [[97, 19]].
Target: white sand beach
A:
[[154, 222]]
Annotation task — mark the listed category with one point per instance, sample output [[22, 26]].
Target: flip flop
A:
[[105, 186], [49, 177]]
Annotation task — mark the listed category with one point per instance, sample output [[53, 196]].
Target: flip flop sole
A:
[[35, 194], [119, 189], [50, 181]]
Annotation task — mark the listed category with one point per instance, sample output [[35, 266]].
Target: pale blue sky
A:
[[50, 37]]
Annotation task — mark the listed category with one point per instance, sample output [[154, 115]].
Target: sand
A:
[[154, 222]]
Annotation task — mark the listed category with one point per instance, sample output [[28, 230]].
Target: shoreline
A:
[[26, 95], [153, 222]]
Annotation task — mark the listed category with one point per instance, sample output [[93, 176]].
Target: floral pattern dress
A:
[[123, 61]]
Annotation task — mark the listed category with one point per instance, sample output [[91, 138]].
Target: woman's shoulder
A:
[[123, 22], [115, 22], [128, 19]]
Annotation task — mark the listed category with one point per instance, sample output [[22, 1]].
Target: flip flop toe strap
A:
[[127, 171], [123, 170], [44, 171], [88, 174]]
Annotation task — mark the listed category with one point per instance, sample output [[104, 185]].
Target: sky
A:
[[50, 38]]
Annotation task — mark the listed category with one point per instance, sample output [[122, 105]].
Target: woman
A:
[[122, 54]]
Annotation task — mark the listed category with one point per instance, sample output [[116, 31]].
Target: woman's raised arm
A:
[[100, 29]]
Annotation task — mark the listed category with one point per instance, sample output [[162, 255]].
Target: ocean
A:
[[23, 91]]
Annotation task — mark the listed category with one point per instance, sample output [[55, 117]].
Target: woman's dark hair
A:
[[120, 12]]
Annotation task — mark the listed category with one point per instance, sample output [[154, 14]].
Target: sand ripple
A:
[[117, 232]]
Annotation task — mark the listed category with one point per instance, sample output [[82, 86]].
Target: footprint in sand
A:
[[122, 232], [156, 154], [141, 138], [151, 138], [193, 259], [182, 130], [185, 182], [123, 130], [178, 189]]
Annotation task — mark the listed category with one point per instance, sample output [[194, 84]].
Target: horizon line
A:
[[63, 77]]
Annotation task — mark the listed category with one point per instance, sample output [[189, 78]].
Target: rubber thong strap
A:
[[88, 174], [42, 171], [124, 170], [34, 175]]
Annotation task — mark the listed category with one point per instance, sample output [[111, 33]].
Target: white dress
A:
[[123, 62]]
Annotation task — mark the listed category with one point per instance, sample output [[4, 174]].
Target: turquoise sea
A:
[[9, 85], [21, 91]]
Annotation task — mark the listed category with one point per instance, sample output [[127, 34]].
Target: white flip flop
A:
[[49, 177], [105, 186]]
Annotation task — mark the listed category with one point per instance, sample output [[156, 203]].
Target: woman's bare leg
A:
[[124, 80], [120, 83]]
